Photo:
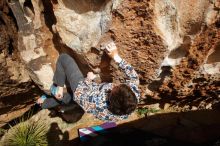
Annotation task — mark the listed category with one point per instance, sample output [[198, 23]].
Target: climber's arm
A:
[[112, 51]]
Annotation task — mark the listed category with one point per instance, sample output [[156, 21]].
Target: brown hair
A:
[[122, 100]]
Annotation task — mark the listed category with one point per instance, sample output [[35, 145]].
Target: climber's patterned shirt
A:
[[92, 97]]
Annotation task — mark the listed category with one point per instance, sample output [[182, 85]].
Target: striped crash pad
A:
[[93, 131]]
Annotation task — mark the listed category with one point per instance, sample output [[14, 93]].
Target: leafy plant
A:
[[27, 134], [144, 111]]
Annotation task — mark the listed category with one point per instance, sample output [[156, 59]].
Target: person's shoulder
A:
[[105, 86], [135, 89]]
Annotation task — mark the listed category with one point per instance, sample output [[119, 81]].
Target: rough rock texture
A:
[[82, 35], [173, 45], [35, 38], [168, 43], [154, 36], [13, 78], [15, 82]]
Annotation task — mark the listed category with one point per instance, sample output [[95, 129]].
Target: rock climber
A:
[[106, 101]]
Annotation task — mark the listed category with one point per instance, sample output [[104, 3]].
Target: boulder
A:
[[173, 45]]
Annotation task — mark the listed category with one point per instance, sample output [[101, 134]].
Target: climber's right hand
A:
[[112, 51]]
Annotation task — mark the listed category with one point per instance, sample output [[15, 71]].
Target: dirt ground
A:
[[194, 128]]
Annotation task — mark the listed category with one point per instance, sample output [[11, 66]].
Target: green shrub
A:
[[144, 111], [27, 134]]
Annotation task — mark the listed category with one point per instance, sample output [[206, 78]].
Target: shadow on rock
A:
[[195, 128], [70, 113], [56, 137]]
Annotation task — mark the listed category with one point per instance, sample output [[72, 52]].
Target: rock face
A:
[[83, 24], [14, 78], [173, 45]]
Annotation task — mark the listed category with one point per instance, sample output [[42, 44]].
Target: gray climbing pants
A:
[[67, 71]]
